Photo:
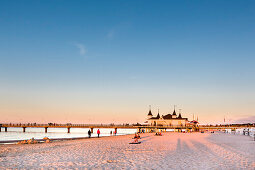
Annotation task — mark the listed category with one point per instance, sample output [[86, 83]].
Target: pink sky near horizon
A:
[[43, 105], [109, 115]]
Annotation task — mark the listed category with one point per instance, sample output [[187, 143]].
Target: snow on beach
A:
[[170, 151]]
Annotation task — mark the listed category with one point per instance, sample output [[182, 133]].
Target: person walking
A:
[[89, 133], [98, 133]]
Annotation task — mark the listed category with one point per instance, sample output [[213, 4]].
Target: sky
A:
[[107, 61]]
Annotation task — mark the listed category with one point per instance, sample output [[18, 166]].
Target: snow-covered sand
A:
[[170, 151]]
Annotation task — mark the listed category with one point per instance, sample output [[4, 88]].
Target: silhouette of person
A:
[[89, 133]]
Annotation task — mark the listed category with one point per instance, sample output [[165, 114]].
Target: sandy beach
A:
[[170, 151]]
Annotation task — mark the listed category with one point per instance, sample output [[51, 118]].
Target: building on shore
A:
[[167, 120]]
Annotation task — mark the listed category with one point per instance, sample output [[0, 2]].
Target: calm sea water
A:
[[38, 133]]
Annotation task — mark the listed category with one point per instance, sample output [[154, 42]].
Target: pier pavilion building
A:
[[166, 120]]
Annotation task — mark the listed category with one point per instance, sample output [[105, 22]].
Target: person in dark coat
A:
[[89, 133]]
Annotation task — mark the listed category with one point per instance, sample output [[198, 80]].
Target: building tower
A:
[[180, 116], [149, 114], [174, 113], [158, 116]]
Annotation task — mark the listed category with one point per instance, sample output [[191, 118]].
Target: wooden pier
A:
[[140, 128], [67, 126]]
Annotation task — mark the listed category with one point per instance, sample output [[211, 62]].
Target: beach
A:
[[170, 151]]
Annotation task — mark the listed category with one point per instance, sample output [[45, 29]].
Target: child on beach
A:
[[137, 136]]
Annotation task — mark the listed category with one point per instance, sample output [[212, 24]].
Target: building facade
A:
[[166, 120]]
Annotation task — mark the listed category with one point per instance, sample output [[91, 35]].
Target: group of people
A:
[[158, 134], [98, 133], [115, 132], [136, 137]]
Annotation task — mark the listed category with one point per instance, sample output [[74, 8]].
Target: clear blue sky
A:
[[106, 61]]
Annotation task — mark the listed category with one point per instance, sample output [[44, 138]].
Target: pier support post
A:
[[0, 129], [68, 130], [24, 129], [5, 129], [91, 129], [46, 129], [115, 131]]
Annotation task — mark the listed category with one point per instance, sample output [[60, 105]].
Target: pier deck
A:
[[113, 126]]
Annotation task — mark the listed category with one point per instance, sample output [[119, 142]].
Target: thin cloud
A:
[[81, 48], [118, 29]]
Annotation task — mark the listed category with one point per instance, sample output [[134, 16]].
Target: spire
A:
[[149, 114], [158, 116], [180, 116], [174, 113]]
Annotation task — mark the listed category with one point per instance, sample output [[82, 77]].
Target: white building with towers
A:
[[166, 120]]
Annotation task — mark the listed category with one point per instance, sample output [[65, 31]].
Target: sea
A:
[[14, 133]]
